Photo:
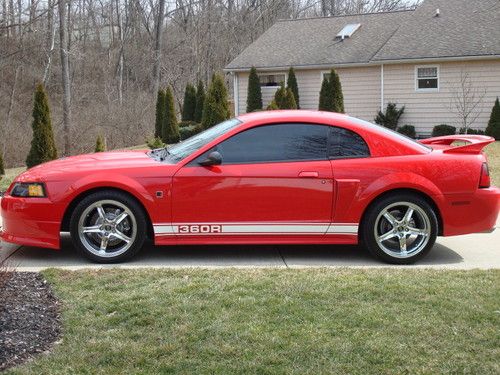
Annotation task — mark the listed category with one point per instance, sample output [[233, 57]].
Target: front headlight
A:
[[28, 189]]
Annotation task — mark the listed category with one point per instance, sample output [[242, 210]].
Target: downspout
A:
[[235, 93], [382, 87]]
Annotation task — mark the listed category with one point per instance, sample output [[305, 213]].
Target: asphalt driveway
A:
[[461, 252]]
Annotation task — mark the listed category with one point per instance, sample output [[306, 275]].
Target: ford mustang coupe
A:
[[279, 177]]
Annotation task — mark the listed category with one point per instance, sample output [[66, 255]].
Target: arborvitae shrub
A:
[[100, 145], [443, 129], [2, 167], [43, 147], [408, 130], [272, 106], [337, 95], [189, 104], [291, 83], [325, 96], [160, 113], [170, 129], [391, 117], [155, 143], [200, 100], [216, 107], [493, 128], [254, 93]]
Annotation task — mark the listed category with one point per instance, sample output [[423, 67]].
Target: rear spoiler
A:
[[475, 143]]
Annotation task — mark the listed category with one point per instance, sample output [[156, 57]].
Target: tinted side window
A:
[[345, 143], [274, 143]]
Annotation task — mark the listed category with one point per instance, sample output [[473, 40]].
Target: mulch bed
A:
[[29, 318]]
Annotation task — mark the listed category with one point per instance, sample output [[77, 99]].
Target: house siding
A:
[[361, 88], [424, 109], [362, 91]]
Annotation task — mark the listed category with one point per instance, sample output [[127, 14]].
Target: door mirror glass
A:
[[213, 158]]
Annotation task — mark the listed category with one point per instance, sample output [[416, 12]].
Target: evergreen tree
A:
[[291, 83], [272, 106], [216, 107], [160, 112], [337, 95], [325, 96], [189, 104], [2, 168], [170, 129], [280, 97], [254, 93], [200, 100], [331, 97], [100, 144], [493, 128], [290, 102], [390, 118], [43, 147]]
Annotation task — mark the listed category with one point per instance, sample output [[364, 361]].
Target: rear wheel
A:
[[108, 227], [400, 228]]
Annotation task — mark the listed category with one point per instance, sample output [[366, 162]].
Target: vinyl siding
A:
[[427, 109], [361, 88], [362, 91]]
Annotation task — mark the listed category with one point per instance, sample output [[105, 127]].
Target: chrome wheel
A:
[[107, 228], [402, 229]]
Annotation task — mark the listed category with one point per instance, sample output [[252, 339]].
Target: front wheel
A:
[[400, 228], [108, 227]]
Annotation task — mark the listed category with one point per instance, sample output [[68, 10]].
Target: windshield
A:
[[187, 147], [391, 132]]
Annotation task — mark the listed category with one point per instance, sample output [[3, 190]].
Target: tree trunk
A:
[[63, 38], [157, 48]]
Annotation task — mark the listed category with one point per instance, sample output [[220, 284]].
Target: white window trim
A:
[[272, 74], [416, 78]]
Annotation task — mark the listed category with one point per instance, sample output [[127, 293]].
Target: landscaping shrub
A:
[[100, 145], [216, 106], [471, 131], [493, 128], [189, 104], [272, 106], [284, 98], [331, 97], [170, 128], [155, 143], [43, 147], [254, 93], [160, 112], [408, 130], [188, 131], [391, 117], [291, 83], [443, 129], [200, 101]]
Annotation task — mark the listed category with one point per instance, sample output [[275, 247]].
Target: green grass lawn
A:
[[316, 321]]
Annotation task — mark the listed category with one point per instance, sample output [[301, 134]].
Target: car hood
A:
[[89, 163]]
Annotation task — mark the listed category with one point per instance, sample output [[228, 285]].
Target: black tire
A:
[[376, 226], [133, 227]]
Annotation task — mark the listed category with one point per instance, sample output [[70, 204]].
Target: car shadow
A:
[[227, 256]]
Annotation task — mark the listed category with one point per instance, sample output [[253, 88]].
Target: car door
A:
[[274, 180]]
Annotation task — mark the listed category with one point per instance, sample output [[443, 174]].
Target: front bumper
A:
[[470, 213], [30, 221]]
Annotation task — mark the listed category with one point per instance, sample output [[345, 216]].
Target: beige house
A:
[[430, 60]]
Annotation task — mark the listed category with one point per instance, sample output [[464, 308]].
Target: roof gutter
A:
[[370, 63]]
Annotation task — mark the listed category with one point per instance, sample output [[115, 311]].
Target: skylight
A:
[[348, 30]]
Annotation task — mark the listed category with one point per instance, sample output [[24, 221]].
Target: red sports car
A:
[[280, 177]]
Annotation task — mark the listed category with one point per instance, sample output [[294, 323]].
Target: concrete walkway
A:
[[480, 251]]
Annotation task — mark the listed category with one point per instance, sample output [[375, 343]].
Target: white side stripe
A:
[[194, 229]]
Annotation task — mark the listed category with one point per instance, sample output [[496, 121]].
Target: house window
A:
[[271, 80], [427, 78]]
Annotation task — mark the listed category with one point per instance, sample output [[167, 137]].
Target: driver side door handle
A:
[[309, 174]]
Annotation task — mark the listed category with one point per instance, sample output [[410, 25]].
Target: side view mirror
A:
[[214, 158]]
